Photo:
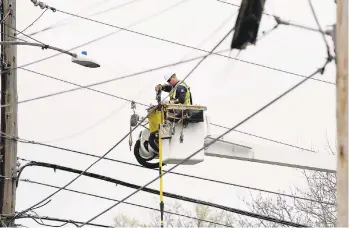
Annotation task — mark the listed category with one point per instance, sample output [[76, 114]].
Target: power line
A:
[[65, 221], [175, 173], [81, 87], [117, 78], [213, 141], [13, 37], [132, 75], [233, 4], [197, 65], [264, 138], [101, 82], [115, 200], [31, 24], [101, 37], [153, 191], [61, 23], [104, 118], [38, 41], [130, 132], [319, 26], [187, 46], [120, 28]]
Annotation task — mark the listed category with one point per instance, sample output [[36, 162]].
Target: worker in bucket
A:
[[180, 95]]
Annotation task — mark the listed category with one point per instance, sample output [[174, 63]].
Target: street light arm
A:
[[81, 60], [43, 46]]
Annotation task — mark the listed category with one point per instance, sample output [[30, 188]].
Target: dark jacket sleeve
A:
[[180, 93], [166, 88]]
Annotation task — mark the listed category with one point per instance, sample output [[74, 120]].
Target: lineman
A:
[[181, 94]]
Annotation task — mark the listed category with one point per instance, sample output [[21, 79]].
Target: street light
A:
[[78, 59]]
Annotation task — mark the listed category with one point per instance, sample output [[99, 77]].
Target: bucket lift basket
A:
[[182, 128]]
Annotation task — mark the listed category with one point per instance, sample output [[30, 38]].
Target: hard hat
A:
[[168, 77]]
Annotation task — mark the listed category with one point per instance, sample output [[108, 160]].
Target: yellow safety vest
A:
[[187, 95]]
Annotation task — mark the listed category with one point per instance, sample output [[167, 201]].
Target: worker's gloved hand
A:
[[157, 87]]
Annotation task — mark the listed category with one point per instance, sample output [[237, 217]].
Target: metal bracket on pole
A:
[[284, 22]]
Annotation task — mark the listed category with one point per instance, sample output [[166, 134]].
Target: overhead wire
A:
[[124, 137], [267, 139], [100, 121], [153, 191], [145, 88], [184, 45], [21, 140], [115, 200], [31, 24], [180, 44], [123, 77], [80, 86], [65, 221], [101, 82], [36, 40], [119, 78], [233, 4], [320, 28], [102, 37], [61, 23], [321, 70], [13, 37]]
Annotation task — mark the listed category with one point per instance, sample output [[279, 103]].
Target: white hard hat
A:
[[168, 77]]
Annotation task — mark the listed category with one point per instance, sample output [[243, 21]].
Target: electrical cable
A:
[[274, 141], [118, 78], [101, 37], [267, 139], [80, 86], [233, 4], [319, 26], [183, 45], [126, 29], [115, 200], [38, 41], [213, 141], [175, 173], [132, 75], [101, 82], [66, 221], [33, 22], [5, 18], [240, 132], [61, 23], [119, 108], [156, 192], [13, 37], [123, 138]]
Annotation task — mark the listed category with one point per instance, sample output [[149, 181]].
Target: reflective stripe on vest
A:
[[187, 95]]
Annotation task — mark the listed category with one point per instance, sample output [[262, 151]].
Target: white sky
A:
[[230, 89]]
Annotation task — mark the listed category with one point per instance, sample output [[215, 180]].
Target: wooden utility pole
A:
[[342, 112], [9, 112]]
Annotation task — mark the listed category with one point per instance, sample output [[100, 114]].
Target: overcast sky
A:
[[88, 121]]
